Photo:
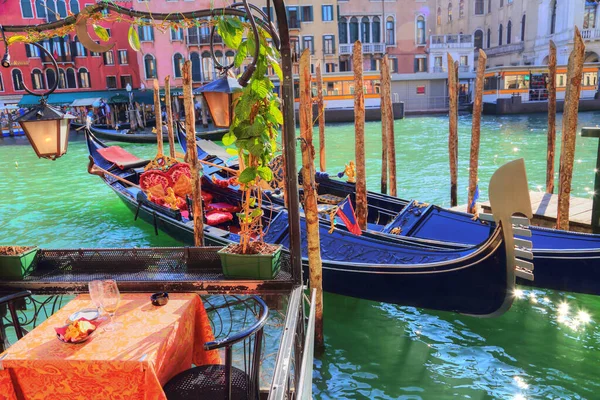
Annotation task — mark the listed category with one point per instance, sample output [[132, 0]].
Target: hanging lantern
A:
[[47, 129], [219, 98]]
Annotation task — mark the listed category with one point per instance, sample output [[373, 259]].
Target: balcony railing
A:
[[367, 48], [438, 69], [505, 49], [65, 58], [202, 40], [451, 41], [464, 68]]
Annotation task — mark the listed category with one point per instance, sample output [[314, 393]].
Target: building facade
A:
[[79, 69]]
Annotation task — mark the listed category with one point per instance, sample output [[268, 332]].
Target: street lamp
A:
[[219, 97]]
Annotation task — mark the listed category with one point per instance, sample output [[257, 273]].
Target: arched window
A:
[[71, 81], [449, 11], [208, 67], [439, 16], [229, 56], [421, 30], [61, 7], [51, 10], [26, 9], [553, 17], [219, 57], [17, 78], [40, 8], [523, 21], [84, 78], [589, 15], [80, 51], [50, 77], [508, 32], [353, 30], [500, 35], [376, 30], [365, 28], [177, 65], [74, 4], [478, 39], [478, 7], [37, 78], [196, 68], [390, 32], [461, 8], [149, 66], [489, 38], [62, 79], [343, 29]]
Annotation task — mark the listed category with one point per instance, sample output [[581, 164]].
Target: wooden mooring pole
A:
[[169, 116], [158, 116], [192, 153], [569, 130], [391, 140], [476, 130], [551, 118], [359, 130], [321, 116], [453, 129], [310, 194], [385, 96]]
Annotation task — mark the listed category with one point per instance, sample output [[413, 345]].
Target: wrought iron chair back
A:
[[9, 317]]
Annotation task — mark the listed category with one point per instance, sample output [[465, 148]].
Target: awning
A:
[[88, 101], [119, 99]]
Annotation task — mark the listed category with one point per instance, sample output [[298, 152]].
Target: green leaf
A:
[[252, 201], [101, 32], [228, 139], [276, 112], [134, 39], [265, 173], [256, 147], [240, 56], [277, 69], [247, 175], [232, 36], [260, 87], [231, 151], [256, 213]]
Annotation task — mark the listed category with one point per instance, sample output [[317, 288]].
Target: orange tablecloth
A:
[[132, 362]]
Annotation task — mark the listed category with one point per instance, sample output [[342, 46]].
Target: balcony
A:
[[202, 40], [451, 41], [61, 59], [504, 49], [367, 48], [437, 69]]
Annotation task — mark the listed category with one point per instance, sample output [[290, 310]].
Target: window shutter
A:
[[73, 46], [27, 50], [333, 43], [425, 64], [416, 64]]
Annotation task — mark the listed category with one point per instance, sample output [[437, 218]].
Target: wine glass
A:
[[95, 288], [110, 302]]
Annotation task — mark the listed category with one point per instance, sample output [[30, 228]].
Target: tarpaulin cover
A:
[[121, 157]]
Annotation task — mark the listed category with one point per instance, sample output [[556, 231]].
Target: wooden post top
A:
[[590, 132]]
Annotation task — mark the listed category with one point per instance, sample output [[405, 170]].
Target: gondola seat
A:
[[214, 218], [225, 207]]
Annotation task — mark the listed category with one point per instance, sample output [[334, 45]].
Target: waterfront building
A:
[[79, 69]]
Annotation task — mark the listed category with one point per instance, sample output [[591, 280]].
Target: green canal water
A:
[[539, 349]]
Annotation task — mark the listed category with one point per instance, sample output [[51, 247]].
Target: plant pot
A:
[[250, 266], [14, 267]]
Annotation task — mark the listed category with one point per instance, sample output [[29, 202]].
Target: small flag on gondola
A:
[[346, 213], [475, 197]]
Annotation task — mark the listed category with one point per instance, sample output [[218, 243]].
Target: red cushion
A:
[[222, 207], [154, 177], [178, 169], [206, 197], [218, 217]]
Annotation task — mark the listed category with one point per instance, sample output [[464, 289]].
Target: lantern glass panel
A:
[[64, 135], [219, 107], [43, 136]]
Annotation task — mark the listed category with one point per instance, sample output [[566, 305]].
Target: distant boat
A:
[[477, 280], [124, 135], [17, 131]]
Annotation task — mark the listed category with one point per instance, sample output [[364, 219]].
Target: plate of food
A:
[[77, 331]]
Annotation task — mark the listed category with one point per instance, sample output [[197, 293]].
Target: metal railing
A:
[[464, 68], [368, 48], [451, 41], [438, 69], [426, 103], [202, 39], [505, 49]]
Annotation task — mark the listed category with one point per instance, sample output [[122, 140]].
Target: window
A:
[[268, 12], [37, 79], [176, 34], [74, 4], [293, 18], [479, 7], [523, 20], [553, 18], [308, 43], [508, 32], [111, 82], [177, 65], [26, 9], [192, 35], [478, 39], [51, 11], [421, 30], [421, 64], [376, 30], [500, 35], [437, 64], [489, 38], [516, 82], [31, 51], [343, 30], [295, 47], [80, 51], [590, 79], [327, 13], [449, 12], [307, 13], [390, 36], [40, 8], [62, 79], [123, 57], [439, 16], [84, 78], [330, 67], [353, 29], [490, 83], [17, 78], [126, 79], [393, 65], [461, 8], [365, 30], [61, 8], [93, 53], [71, 81], [589, 16], [149, 66], [489, 6], [561, 80], [196, 68], [344, 66], [109, 58], [50, 77], [208, 66], [464, 60], [328, 44], [146, 33]]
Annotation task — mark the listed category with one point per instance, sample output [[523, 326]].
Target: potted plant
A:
[[15, 261], [253, 131]]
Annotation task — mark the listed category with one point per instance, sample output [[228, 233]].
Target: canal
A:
[[539, 349]]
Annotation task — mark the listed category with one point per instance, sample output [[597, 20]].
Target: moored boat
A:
[[123, 135]]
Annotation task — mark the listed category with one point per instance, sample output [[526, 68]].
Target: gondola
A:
[[563, 260], [122, 135], [478, 280]]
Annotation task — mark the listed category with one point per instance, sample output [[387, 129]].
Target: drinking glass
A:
[[95, 288], [110, 302]]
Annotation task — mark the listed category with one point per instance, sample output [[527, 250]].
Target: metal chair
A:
[[225, 381], [10, 303]]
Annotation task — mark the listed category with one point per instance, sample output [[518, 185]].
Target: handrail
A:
[[14, 296]]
